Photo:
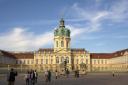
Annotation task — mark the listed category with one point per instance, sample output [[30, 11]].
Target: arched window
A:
[[62, 59], [57, 60], [51, 61], [62, 43], [82, 60], [67, 59], [56, 43], [67, 44], [77, 60]]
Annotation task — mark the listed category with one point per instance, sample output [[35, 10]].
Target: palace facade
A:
[[62, 57], [56, 57]]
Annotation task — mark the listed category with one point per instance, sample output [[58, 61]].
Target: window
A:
[[98, 61], [51, 61], [19, 62], [32, 62], [56, 43], [82, 60], [77, 61], [46, 61], [28, 61], [41, 61], [36, 61], [67, 44], [67, 59], [57, 60], [62, 43], [86, 61], [102, 61], [105, 61], [94, 61], [16, 61], [24, 61], [62, 59]]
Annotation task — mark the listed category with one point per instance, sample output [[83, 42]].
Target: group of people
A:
[[47, 76], [31, 77]]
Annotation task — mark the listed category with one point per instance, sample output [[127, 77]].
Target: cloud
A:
[[75, 31], [91, 18], [118, 12], [21, 39]]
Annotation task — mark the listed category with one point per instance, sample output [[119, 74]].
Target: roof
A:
[[81, 50], [6, 53], [62, 31], [101, 55], [46, 50], [120, 53], [108, 55], [25, 55]]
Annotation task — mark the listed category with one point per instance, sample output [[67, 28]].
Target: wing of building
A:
[[62, 56]]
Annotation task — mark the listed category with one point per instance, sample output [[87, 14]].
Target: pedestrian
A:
[[36, 76], [113, 74], [11, 77], [49, 76], [56, 74], [30, 77], [77, 73], [33, 77], [46, 76], [67, 73], [27, 78]]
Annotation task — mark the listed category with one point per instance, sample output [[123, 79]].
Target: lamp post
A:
[[21, 68], [8, 67]]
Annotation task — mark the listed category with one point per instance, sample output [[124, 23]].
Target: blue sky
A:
[[96, 25]]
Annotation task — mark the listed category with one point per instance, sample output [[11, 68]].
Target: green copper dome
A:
[[62, 31]]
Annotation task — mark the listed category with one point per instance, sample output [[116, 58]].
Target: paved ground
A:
[[90, 79]]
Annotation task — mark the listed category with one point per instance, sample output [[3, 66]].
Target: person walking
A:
[[56, 74], [33, 77], [46, 76], [36, 76], [113, 74], [11, 77], [77, 73], [49, 76], [67, 73], [27, 78]]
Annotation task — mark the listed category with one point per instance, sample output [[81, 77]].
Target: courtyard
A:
[[89, 79]]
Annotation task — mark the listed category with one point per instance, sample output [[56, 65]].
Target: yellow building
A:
[[62, 55], [119, 61], [116, 61], [100, 61]]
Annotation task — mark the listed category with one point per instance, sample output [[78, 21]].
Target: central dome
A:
[[62, 31]]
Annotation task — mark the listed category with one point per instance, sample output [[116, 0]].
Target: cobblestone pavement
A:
[[90, 79]]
